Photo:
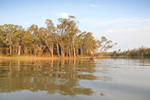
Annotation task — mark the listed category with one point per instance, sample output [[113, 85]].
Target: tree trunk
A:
[[77, 52], [0, 50], [40, 50], [25, 50], [62, 49], [30, 51], [93, 54], [51, 49], [43, 50], [87, 52], [35, 51], [69, 52], [81, 51], [62, 52], [58, 50], [19, 49], [74, 53], [52, 52], [10, 49], [6, 50]]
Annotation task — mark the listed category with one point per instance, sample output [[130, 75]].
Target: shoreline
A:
[[63, 58], [41, 58]]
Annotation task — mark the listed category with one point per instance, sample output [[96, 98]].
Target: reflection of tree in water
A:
[[52, 76]]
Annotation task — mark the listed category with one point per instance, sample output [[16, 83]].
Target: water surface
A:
[[106, 79]]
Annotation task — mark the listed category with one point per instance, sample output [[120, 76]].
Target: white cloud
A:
[[129, 38], [27, 23], [136, 31], [108, 22], [92, 5], [119, 23], [44, 18], [63, 15], [44, 21], [135, 22], [128, 33], [96, 33], [84, 20]]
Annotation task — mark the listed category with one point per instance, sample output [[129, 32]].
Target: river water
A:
[[83, 79]]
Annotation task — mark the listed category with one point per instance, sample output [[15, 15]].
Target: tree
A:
[[67, 30], [89, 43], [57, 40], [27, 42], [65, 40], [61, 29], [104, 44], [47, 35], [79, 43], [33, 30], [9, 30], [42, 35], [2, 39], [18, 37]]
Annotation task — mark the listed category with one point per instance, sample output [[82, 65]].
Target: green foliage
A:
[[143, 51], [2, 54], [65, 40], [24, 55], [14, 55], [8, 54]]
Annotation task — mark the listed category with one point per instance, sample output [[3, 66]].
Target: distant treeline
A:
[[143, 51], [64, 40]]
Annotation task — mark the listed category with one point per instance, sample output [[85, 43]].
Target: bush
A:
[[2, 54], [14, 55], [8, 54]]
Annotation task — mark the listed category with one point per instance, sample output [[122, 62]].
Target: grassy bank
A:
[[31, 57]]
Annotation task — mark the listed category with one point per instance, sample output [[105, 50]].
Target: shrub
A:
[[8, 54]]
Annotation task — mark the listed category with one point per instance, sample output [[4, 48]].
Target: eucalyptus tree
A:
[[18, 38], [64, 40], [9, 30], [90, 44], [79, 41], [2, 39], [33, 29], [73, 31], [27, 42], [56, 41], [47, 35], [104, 44], [43, 34], [67, 30], [61, 29]]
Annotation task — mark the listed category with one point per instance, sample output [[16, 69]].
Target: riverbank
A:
[[41, 58]]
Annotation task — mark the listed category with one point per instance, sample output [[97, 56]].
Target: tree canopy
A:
[[64, 40]]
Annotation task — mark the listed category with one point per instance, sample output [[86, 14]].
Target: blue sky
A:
[[126, 22]]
